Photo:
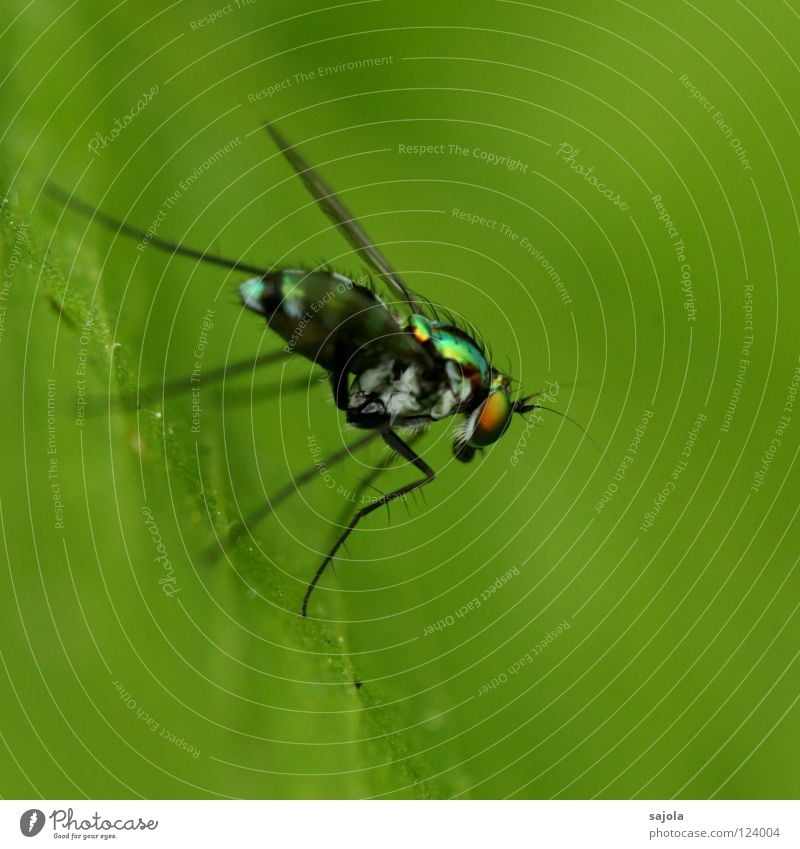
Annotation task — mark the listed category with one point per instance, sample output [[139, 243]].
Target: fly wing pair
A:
[[403, 345], [344, 220]]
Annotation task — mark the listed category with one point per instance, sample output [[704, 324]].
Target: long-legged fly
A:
[[394, 364]]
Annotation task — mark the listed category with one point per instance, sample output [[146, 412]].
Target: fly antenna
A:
[[527, 408]]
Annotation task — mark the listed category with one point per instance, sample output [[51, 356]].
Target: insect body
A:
[[405, 374], [392, 363]]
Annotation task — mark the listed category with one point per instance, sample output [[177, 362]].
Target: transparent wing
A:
[[344, 220]]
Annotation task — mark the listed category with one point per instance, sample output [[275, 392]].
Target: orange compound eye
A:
[[491, 418]]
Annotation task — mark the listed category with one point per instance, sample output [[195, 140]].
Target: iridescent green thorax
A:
[[450, 344]]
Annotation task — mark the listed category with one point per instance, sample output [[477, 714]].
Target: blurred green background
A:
[[635, 632]]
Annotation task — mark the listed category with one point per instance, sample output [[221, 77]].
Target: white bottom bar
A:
[[329, 825]]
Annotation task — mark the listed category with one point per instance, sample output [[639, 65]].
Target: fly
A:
[[392, 366]]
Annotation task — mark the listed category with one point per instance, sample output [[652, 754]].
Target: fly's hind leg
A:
[[245, 526], [398, 445], [367, 483]]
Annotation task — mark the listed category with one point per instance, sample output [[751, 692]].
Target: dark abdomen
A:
[[327, 318]]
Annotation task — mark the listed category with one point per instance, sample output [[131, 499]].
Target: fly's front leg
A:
[[339, 387], [339, 382], [405, 451]]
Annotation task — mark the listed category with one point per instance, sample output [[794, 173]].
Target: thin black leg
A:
[[339, 382], [185, 384], [339, 388], [404, 450], [367, 482], [264, 510], [148, 238], [247, 396]]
